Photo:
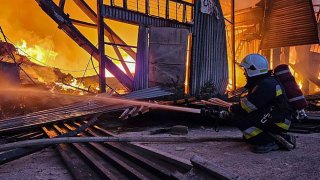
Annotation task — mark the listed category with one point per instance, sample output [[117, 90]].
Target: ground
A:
[[42, 165], [300, 163]]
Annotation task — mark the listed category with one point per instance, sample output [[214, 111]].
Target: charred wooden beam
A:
[[75, 164], [66, 25], [21, 152]]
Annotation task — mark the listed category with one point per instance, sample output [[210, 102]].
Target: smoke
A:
[[19, 101]]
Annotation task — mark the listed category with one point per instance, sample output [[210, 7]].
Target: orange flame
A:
[[74, 83], [229, 86], [36, 53]]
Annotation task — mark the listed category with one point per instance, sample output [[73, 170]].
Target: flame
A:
[[229, 86], [74, 83], [300, 84], [40, 79], [37, 53], [130, 63]]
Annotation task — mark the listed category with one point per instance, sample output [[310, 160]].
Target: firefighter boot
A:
[[272, 146], [285, 141]]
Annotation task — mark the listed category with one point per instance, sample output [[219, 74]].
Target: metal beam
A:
[[62, 3], [233, 46], [136, 18], [112, 36], [123, 63], [66, 25], [82, 23], [122, 45], [102, 64]]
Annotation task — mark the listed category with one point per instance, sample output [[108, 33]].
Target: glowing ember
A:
[[37, 53]]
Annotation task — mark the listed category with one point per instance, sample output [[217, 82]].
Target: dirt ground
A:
[[301, 163], [43, 165]]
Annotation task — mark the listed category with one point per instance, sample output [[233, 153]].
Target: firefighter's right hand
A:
[[216, 114], [219, 102]]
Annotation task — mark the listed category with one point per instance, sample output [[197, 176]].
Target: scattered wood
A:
[[21, 152]]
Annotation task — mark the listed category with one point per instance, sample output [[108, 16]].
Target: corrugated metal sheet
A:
[[289, 23], [148, 93], [133, 17], [140, 80], [209, 52]]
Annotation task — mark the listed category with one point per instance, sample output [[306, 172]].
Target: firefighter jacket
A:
[[265, 96]]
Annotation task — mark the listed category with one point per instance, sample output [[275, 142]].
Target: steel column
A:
[[102, 64], [233, 44]]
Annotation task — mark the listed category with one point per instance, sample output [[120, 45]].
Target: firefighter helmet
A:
[[254, 65]]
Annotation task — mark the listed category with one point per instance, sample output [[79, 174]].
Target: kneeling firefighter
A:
[[263, 115]]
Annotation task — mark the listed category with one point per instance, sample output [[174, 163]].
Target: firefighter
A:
[[263, 115]]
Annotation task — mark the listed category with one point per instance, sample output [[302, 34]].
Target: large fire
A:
[[48, 45], [41, 55], [36, 54]]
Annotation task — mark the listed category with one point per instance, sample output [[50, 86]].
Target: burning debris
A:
[[189, 49], [49, 78]]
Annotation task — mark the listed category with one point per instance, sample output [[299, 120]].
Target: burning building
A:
[[174, 43], [284, 31]]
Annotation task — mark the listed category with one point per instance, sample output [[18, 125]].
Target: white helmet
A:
[[254, 65]]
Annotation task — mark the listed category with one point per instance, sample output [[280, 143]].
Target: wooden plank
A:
[[79, 169], [119, 161], [91, 158]]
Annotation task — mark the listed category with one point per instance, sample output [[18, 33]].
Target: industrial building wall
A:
[[209, 52], [167, 56]]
